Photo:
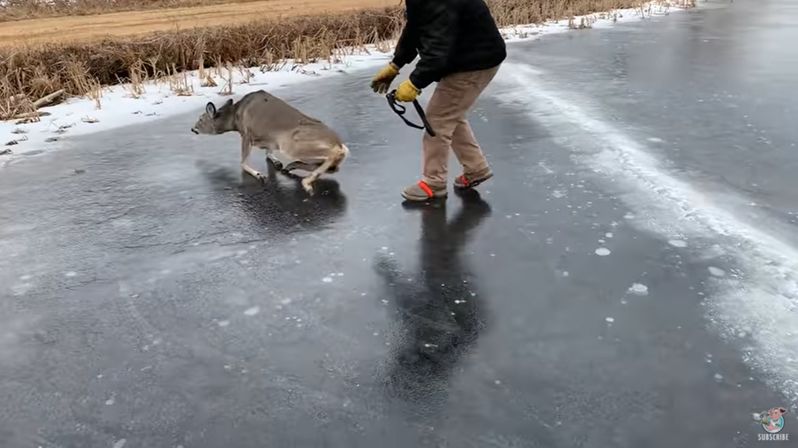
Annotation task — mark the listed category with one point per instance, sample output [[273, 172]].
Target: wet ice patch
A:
[[110, 401], [638, 289], [678, 243], [603, 251], [252, 311], [120, 443], [223, 323], [70, 274], [609, 235], [327, 279], [655, 140]]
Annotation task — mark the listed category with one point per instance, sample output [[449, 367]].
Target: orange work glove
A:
[[407, 92], [382, 81]]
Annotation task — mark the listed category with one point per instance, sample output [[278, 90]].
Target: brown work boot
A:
[[471, 180], [422, 191]]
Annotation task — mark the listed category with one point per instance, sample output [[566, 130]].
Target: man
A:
[[460, 48]]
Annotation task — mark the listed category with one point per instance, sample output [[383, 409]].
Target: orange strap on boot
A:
[[426, 189]]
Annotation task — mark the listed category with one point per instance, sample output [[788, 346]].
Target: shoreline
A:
[[126, 104]]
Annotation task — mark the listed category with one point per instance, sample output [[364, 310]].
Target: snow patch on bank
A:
[[119, 107], [760, 302]]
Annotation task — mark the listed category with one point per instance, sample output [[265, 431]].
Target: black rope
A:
[[401, 110]]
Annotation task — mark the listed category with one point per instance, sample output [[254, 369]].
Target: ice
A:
[[70, 274], [717, 272], [678, 243], [223, 323], [110, 401], [327, 279], [609, 319], [120, 443], [718, 377], [252, 311], [669, 202], [609, 235], [603, 252], [638, 289]]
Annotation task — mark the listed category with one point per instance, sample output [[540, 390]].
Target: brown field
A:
[[80, 54], [131, 23]]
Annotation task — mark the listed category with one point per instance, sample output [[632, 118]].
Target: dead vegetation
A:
[[30, 9], [30, 73]]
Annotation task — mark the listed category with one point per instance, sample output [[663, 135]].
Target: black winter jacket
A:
[[449, 36]]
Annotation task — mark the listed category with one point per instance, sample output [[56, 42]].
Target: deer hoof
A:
[[308, 186]]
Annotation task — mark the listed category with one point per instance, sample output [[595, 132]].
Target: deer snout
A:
[[194, 130]]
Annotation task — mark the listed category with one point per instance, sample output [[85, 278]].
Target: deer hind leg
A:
[[337, 155], [343, 153]]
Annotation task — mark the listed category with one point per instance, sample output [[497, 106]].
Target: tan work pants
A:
[[453, 98]]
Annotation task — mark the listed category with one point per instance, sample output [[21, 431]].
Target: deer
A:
[[267, 122]]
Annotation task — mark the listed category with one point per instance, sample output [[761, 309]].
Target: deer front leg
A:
[[246, 149]]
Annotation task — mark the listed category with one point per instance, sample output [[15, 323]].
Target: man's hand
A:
[[407, 92], [382, 81]]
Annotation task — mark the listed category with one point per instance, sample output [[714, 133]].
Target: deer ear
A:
[[210, 109]]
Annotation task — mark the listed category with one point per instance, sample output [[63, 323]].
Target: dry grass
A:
[[31, 9], [515, 12], [33, 72], [80, 69]]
